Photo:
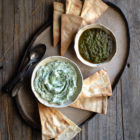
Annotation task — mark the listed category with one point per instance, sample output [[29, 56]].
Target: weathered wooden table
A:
[[19, 19]]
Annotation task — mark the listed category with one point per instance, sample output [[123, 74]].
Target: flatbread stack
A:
[[55, 125], [76, 14], [95, 92]]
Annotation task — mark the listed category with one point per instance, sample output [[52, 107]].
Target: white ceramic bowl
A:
[[79, 80], [76, 43]]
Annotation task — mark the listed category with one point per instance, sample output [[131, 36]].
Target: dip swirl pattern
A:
[[56, 82]]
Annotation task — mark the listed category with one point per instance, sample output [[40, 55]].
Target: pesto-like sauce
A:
[[56, 82], [95, 45]]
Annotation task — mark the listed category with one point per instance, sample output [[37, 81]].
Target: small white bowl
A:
[[76, 44], [79, 80]]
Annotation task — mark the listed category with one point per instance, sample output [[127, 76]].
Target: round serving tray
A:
[[115, 20]]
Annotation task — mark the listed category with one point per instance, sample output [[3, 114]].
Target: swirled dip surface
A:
[[56, 82]]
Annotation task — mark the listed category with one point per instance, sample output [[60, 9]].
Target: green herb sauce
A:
[[56, 82], [95, 45]]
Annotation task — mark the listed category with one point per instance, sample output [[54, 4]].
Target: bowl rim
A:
[[76, 43], [43, 62]]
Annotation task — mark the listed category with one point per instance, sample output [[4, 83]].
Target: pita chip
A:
[[73, 7], [55, 125], [58, 11], [94, 94], [69, 26], [93, 9], [70, 132], [93, 104], [97, 85]]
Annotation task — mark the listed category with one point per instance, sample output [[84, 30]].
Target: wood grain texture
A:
[[19, 19], [0, 135]]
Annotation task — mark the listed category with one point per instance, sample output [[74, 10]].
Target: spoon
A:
[[35, 55]]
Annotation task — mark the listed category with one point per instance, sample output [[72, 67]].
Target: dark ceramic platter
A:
[[115, 20]]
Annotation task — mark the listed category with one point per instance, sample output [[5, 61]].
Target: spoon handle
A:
[[9, 86]]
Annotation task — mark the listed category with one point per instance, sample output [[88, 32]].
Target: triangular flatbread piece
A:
[[58, 11], [93, 104], [69, 26], [70, 132], [55, 124], [73, 7], [93, 9], [94, 94], [97, 85]]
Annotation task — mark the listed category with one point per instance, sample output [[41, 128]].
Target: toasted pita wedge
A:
[[73, 7], [93, 9], [94, 104], [70, 132], [97, 85], [69, 26], [94, 94], [58, 11], [55, 124]]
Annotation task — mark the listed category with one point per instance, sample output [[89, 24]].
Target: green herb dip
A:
[[56, 82], [95, 45]]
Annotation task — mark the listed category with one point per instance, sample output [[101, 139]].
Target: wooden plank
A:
[[0, 135], [119, 113], [15, 121], [22, 32], [7, 36], [131, 76], [12, 118], [1, 48]]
